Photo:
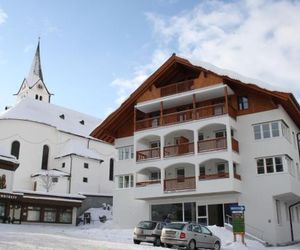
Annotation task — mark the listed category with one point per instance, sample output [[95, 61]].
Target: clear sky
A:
[[95, 53]]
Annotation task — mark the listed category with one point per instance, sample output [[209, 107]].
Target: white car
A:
[[189, 235]]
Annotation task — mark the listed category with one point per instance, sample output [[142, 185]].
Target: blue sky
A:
[[95, 53]]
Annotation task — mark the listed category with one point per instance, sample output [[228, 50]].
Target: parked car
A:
[[189, 235], [148, 231]]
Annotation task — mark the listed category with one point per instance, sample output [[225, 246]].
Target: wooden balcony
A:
[[148, 154], [177, 88], [237, 176], [235, 145], [179, 149], [177, 184], [146, 183], [152, 122], [184, 116], [212, 144], [213, 176]]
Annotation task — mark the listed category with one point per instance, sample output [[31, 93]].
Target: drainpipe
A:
[[71, 163], [291, 223]]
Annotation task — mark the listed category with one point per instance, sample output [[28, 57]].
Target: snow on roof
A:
[[51, 173], [63, 119], [76, 147], [6, 156], [233, 75], [75, 196]]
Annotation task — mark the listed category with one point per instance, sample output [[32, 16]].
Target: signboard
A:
[[238, 221], [9, 196]]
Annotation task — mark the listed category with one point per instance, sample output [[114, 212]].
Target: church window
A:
[[41, 98], [111, 169], [45, 157], [36, 97], [15, 149]]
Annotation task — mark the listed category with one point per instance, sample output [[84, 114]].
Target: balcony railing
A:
[[180, 183], [179, 149], [177, 88], [212, 144], [152, 122], [184, 116], [237, 176], [214, 176], [148, 154], [146, 183], [235, 145]]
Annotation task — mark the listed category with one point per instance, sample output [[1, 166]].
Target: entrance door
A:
[[215, 215], [15, 213]]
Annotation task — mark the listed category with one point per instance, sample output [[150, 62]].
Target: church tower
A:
[[33, 85]]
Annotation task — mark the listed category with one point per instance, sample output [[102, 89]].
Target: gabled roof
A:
[[66, 120], [105, 131]]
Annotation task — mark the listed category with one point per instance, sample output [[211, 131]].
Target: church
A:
[[51, 169]]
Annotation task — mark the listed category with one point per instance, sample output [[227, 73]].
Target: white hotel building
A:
[[194, 140]]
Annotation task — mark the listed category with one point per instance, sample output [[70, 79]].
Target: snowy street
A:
[[94, 236]]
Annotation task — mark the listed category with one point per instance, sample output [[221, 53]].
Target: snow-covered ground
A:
[[97, 235]]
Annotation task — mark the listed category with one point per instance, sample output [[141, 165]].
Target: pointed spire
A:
[[35, 73]]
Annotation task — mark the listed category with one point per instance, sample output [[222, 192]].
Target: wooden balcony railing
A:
[[146, 183], [152, 122], [214, 176], [237, 176], [235, 145], [184, 116], [178, 117], [212, 144], [181, 183], [148, 154], [179, 149], [177, 88]]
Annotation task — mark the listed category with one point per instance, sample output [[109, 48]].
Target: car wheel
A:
[[217, 246], [136, 242], [192, 245], [168, 245], [157, 242]]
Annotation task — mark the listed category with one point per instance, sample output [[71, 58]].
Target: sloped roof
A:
[[105, 130], [76, 147], [63, 119]]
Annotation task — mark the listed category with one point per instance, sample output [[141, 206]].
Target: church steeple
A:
[[33, 85]]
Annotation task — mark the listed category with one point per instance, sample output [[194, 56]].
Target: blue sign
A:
[[237, 208]]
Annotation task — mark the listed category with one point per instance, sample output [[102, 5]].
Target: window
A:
[[85, 165], [266, 130], [125, 181], [85, 179], [220, 134], [3, 181], [49, 215], [45, 157], [36, 97], [202, 215], [54, 179], [111, 169], [33, 213], [155, 175], [270, 165], [41, 98], [126, 153], [278, 212], [155, 144], [202, 171], [221, 168], [63, 165], [285, 131], [180, 174], [65, 216], [15, 149], [243, 102]]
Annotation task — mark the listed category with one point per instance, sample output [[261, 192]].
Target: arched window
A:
[[111, 169], [45, 157], [41, 98], [36, 97], [15, 149]]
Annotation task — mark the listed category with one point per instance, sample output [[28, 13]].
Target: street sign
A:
[[238, 221]]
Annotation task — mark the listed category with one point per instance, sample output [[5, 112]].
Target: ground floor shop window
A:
[[33, 213], [2, 209], [65, 216], [49, 215], [162, 211]]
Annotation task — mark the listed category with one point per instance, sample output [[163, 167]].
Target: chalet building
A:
[[51, 169], [194, 140]]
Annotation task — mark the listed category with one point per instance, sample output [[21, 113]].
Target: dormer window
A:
[[62, 116], [82, 122]]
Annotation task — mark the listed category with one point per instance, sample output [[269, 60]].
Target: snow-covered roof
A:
[[6, 156], [63, 119], [76, 147], [51, 173]]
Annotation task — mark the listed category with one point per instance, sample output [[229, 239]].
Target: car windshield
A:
[[177, 226], [150, 225]]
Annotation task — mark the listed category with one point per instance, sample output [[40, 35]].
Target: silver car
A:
[[189, 235], [148, 231]]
